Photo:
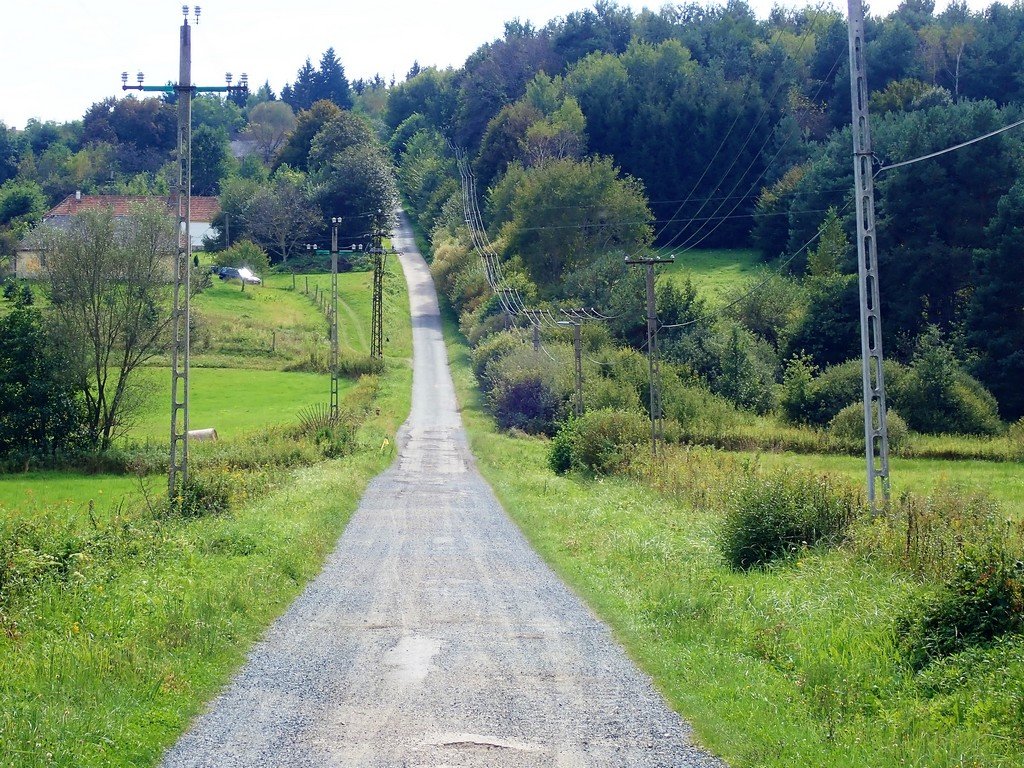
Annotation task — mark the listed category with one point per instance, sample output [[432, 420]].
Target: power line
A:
[[775, 273], [929, 156], [721, 145], [694, 240], [805, 37]]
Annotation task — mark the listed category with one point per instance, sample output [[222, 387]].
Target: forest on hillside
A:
[[611, 133]]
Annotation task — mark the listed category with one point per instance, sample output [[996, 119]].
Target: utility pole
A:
[[335, 221], [876, 432], [653, 363], [577, 348], [377, 320], [535, 325], [332, 307], [177, 476]]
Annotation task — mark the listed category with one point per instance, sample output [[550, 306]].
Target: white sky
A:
[[59, 56]]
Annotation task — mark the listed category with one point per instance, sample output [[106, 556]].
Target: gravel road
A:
[[434, 635]]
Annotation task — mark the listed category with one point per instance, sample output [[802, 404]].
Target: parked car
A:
[[243, 274]]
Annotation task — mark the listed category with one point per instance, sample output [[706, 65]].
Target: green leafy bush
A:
[[981, 602], [529, 391], [204, 494], [599, 442], [560, 454], [244, 253], [810, 397], [846, 430], [493, 347], [938, 396], [773, 514], [527, 402]]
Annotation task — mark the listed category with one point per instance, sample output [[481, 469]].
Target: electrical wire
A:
[[775, 273], [929, 156], [690, 242], [695, 239]]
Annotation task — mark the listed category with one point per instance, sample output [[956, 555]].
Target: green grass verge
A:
[[795, 665], [112, 668]]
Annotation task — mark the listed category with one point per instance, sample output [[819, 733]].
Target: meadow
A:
[[718, 272]]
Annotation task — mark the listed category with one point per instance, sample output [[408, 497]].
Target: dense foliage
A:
[[610, 133]]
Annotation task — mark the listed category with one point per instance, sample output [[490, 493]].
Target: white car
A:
[[241, 273], [246, 276]]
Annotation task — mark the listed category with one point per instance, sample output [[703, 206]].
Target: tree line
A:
[[609, 133]]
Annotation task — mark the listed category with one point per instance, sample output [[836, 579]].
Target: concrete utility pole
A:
[[535, 325], [335, 221], [654, 365], [377, 319], [876, 431], [177, 476]]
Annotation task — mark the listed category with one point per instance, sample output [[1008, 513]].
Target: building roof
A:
[[203, 208]]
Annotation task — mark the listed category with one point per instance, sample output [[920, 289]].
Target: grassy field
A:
[[716, 272], [65, 495], [234, 401], [794, 665], [117, 626], [1004, 481], [274, 326]]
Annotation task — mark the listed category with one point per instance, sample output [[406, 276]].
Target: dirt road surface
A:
[[434, 635]]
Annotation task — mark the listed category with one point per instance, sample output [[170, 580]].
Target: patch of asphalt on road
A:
[[435, 636]]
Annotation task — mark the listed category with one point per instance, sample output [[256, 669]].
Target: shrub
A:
[[493, 347], [560, 454], [846, 430], [355, 366], [983, 601], [526, 402], [244, 253], [529, 391], [204, 494], [600, 441], [940, 397], [770, 515], [811, 398]]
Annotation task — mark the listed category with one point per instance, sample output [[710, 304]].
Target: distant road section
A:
[[435, 636]]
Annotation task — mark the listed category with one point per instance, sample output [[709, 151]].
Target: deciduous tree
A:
[[270, 124], [108, 280]]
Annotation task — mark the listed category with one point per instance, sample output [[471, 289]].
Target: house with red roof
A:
[[29, 261]]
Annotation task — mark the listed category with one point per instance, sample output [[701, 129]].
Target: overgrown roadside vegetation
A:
[[812, 659], [118, 621]]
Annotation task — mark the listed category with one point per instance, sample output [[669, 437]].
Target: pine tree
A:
[[331, 83], [302, 93]]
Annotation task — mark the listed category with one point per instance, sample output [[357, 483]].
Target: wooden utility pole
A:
[[653, 363]]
